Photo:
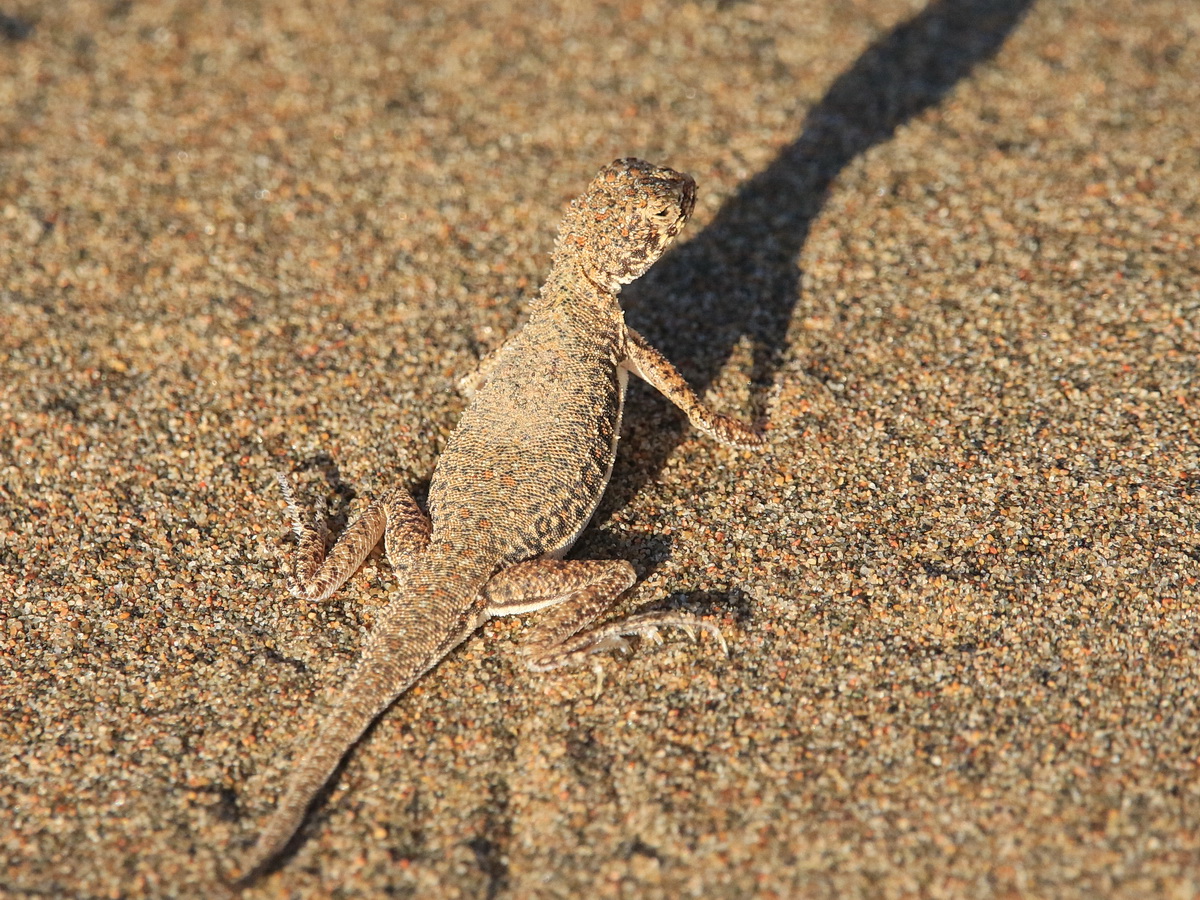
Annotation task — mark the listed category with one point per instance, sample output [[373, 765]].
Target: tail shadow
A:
[[739, 277]]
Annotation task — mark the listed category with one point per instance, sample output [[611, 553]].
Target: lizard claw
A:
[[720, 638], [651, 634], [647, 627]]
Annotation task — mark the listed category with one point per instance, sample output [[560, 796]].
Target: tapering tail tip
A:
[[409, 638], [263, 858], [282, 831]]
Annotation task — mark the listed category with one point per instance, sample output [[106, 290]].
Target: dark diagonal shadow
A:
[[14, 29], [739, 277]]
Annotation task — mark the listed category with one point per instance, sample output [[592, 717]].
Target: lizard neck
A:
[[568, 289]]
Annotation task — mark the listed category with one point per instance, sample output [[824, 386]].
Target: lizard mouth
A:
[[677, 192], [684, 187], [687, 196]]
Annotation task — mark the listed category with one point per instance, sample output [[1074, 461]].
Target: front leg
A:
[[657, 370], [395, 517], [473, 381], [580, 590]]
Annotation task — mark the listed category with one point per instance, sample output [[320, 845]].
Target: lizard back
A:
[[532, 454]]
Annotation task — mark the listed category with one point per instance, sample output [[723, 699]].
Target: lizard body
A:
[[518, 481]]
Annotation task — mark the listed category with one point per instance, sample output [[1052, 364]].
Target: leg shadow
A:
[[739, 277]]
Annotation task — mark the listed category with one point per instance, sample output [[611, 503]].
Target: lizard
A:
[[518, 480]]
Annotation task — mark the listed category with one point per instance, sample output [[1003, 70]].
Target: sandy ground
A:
[[949, 252]]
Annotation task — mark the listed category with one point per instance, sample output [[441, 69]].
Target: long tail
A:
[[438, 609]]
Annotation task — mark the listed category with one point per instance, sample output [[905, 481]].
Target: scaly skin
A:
[[518, 481]]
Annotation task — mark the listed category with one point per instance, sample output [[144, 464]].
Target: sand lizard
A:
[[518, 481]]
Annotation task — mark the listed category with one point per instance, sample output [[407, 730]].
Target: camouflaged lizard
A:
[[518, 481]]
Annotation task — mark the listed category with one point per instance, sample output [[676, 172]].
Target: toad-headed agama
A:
[[519, 479]]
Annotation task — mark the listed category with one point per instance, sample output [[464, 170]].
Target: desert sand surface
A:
[[947, 253]]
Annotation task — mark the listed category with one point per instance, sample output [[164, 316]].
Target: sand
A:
[[949, 253]]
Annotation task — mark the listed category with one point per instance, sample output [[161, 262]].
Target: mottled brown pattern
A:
[[518, 480], [616, 230]]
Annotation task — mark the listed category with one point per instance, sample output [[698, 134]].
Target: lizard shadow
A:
[[738, 279], [318, 815], [14, 28], [335, 515]]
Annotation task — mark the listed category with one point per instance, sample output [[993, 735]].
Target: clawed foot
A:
[[647, 625], [612, 637], [312, 537], [318, 526]]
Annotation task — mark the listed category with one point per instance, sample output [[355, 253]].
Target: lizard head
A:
[[624, 221]]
